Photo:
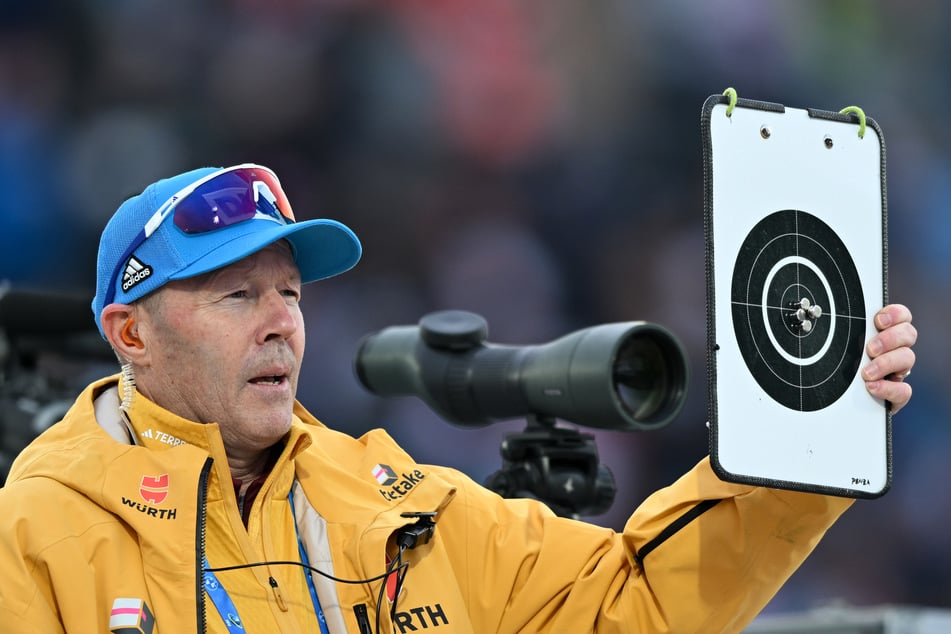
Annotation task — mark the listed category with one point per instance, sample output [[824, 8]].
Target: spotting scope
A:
[[629, 376]]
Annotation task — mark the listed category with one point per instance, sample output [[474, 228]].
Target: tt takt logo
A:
[[384, 474]]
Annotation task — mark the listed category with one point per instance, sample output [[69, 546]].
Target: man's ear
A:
[[121, 329]]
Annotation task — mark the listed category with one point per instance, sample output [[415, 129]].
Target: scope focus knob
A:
[[453, 330]]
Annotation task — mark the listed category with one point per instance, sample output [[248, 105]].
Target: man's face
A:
[[226, 347]]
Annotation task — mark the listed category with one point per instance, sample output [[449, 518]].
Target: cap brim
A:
[[322, 248]]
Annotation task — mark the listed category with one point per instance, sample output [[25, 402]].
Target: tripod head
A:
[[558, 465]]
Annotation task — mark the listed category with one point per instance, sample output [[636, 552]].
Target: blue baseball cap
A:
[[204, 220]]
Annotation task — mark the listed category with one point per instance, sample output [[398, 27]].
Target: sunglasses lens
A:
[[230, 198]]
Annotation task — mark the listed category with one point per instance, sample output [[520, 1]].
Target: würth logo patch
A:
[[135, 272], [154, 489]]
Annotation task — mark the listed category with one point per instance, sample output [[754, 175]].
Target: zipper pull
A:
[[277, 594], [363, 619]]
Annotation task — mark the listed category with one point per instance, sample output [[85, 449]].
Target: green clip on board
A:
[[796, 265]]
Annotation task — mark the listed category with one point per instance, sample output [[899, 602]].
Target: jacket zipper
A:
[[699, 509], [363, 619], [200, 540]]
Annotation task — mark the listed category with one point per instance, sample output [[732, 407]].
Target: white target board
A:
[[796, 264]]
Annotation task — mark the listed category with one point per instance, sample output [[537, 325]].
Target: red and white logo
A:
[[130, 616], [154, 489]]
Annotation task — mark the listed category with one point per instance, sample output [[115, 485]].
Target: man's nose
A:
[[279, 316]]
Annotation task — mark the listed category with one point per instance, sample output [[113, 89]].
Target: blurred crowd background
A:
[[537, 162]]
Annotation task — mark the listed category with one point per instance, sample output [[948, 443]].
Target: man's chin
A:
[[269, 426]]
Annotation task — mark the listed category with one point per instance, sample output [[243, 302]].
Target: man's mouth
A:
[[270, 379]]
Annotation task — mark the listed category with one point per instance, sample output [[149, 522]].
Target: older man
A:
[[192, 492]]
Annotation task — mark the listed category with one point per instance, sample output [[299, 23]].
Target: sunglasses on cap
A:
[[218, 200]]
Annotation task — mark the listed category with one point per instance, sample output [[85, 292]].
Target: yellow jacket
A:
[[98, 527]]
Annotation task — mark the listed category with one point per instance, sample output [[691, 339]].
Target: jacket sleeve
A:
[[701, 555], [714, 553], [36, 618], [57, 566], [25, 605]]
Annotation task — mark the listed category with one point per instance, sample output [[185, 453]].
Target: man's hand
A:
[[892, 356]]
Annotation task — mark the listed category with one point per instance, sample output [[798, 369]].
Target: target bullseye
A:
[[800, 316], [798, 310]]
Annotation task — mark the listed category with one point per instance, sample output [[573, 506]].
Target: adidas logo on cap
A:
[[135, 272]]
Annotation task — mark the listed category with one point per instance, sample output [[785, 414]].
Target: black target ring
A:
[[788, 257]]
